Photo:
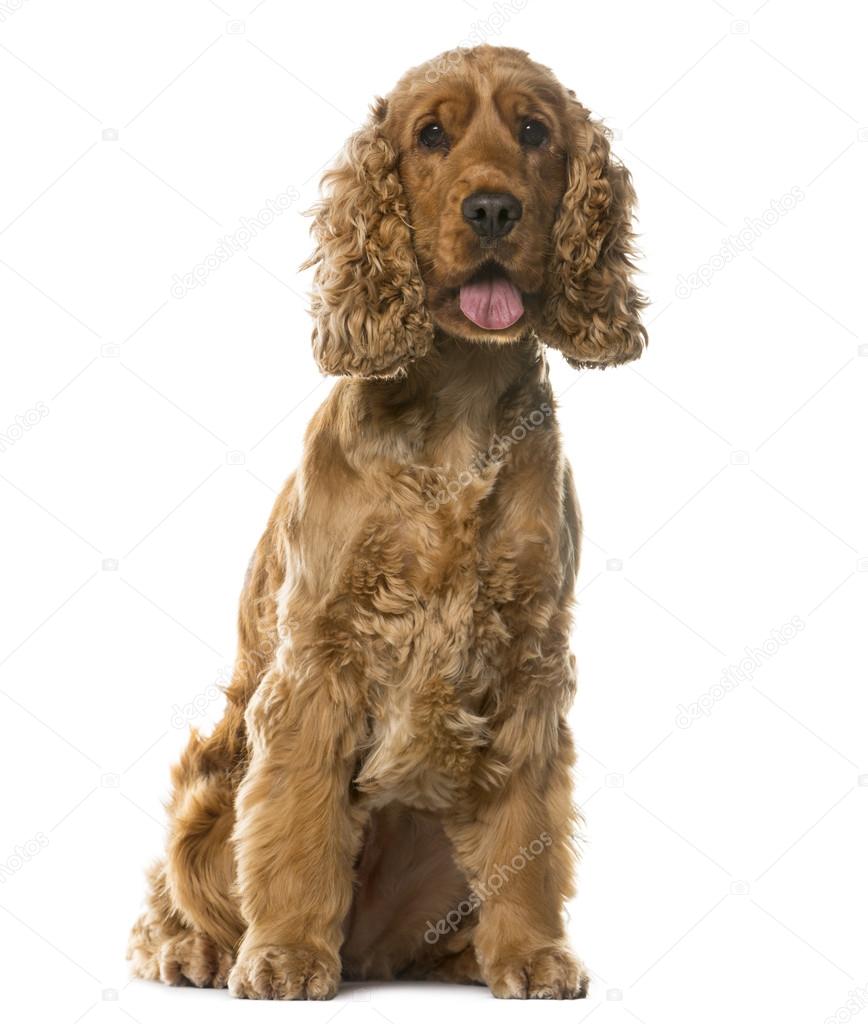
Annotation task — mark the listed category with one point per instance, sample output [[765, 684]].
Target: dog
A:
[[388, 793]]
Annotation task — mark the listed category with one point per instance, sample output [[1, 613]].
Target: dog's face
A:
[[482, 161], [482, 202]]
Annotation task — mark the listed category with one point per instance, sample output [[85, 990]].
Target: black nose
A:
[[491, 214]]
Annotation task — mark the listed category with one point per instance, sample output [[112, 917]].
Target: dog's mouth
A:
[[490, 300]]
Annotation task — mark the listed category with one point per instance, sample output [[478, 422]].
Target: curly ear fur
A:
[[369, 300], [592, 309]]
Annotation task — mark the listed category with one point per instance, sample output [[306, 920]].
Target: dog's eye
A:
[[432, 136], [532, 133]]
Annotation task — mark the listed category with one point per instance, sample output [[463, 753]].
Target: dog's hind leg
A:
[[163, 948], [192, 925], [200, 862], [458, 968]]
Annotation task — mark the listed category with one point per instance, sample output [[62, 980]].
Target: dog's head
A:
[[480, 199]]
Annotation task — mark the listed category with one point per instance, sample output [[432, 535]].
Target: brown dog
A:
[[389, 791]]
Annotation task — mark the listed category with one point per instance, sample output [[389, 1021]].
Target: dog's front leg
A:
[[296, 839], [515, 845]]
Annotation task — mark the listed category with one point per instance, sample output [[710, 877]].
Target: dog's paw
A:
[[284, 972], [193, 959], [550, 973]]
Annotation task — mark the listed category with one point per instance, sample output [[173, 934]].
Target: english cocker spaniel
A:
[[388, 793]]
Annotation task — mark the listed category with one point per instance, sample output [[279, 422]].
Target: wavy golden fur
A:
[[388, 793]]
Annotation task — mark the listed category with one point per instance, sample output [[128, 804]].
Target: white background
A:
[[722, 478]]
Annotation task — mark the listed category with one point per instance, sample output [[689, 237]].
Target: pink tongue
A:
[[493, 304]]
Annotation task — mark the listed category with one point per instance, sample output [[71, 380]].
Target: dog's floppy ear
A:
[[370, 317], [592, 307]]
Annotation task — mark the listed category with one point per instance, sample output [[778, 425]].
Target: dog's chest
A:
[[441, 610]]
